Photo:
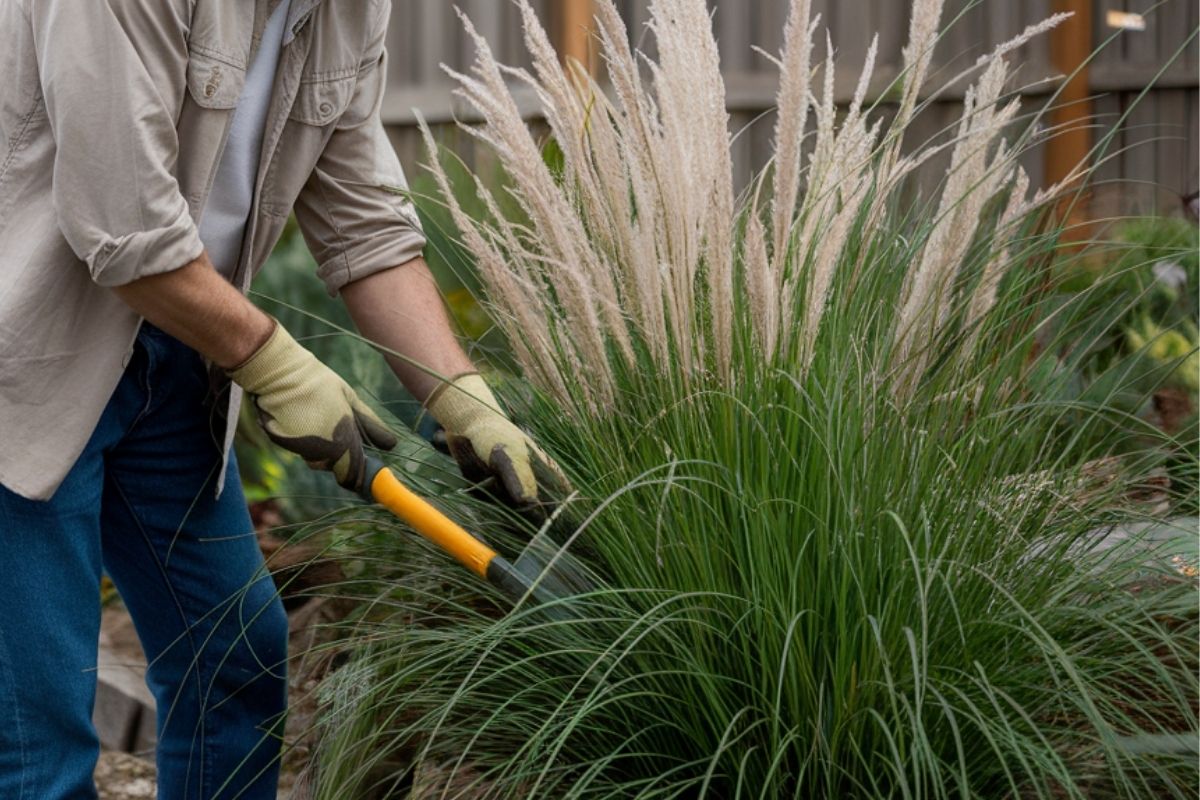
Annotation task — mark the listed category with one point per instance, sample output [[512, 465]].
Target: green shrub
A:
[[1141, 287], [849, 530]]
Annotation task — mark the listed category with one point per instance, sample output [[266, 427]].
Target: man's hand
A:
[[401, 310], [485, 443], [305, 407]]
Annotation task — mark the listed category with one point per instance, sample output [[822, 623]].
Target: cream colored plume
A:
[[637, 254]]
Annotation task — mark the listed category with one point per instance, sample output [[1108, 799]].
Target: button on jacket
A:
[[113, 116]]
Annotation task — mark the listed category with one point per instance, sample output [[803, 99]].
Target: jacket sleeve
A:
[[353, 210], [112, 73]]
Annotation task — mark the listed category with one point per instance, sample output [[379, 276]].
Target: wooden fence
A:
[[1152, 158]]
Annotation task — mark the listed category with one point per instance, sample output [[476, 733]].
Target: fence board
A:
[[1193, 48], [1193, 125], [1137, 157], [1171, 142], [770, 19], [1109, 43], [1173, 23], [892, 24], [487, 16], [436, 32], [732, 23], [1107, 109], [1164, 128], [1141, 47], [853, 29], [1034, 57]]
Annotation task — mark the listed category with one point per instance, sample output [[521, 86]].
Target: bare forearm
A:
[[402, 310], [201, 309]]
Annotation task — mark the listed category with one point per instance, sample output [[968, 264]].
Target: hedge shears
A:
[[543, 571]]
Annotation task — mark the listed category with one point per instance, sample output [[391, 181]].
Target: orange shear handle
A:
[[382, 486]]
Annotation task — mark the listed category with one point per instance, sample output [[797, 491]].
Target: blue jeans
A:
[[141, 504]]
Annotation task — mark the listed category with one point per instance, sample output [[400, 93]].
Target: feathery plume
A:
[[792, 115], [918, 55], [639, 245], [984, 296], [975, 176], [760, 286]]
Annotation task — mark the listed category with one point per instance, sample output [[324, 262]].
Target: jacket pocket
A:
[[213, 82], [322, 102]]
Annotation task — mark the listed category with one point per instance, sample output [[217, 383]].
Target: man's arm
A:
[[303, 405], [401, 310], [201, 309], [366, 237], [110, 78]]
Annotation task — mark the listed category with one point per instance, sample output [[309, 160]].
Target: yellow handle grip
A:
[[435, 526]]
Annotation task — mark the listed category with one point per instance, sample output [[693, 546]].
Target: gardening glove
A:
[[305, 407], [485, 443]]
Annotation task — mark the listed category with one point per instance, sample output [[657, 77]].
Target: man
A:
[[150, 154]]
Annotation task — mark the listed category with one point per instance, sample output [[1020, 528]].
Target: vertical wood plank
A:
[[998, 22], [950, 54], [425, 33], [1137, 157], [507, 41], [1035, 55], [1109, 42], [1171, 140], [1193, 143], [1107, 176], [1141, 47], [934, 124], [1071, 45], [434, 40], [770, 19], [575, 32], [1173, 27], [762, 140], [1034, 162], [980, 38], [732, 24], [853, 32], [893, 33], [1192, 54], [401, 60], [408, 150], [486, 17]]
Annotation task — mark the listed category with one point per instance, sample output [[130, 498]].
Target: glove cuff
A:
[[462, 402], [278, 356]]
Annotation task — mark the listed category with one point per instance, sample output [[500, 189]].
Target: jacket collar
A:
[[298, 15]]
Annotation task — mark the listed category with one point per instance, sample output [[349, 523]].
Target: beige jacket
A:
[[113, 115]]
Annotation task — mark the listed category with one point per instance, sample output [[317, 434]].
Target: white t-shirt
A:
[[223, 222]]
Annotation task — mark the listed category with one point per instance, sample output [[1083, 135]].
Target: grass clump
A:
[[843, 545]]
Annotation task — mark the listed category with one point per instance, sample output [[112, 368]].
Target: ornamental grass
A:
[[843, 544]]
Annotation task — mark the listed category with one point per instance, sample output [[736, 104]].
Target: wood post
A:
[[1070, 120], [576, 23]]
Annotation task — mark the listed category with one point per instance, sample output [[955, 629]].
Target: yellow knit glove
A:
[[485, 443], [305, 407]]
